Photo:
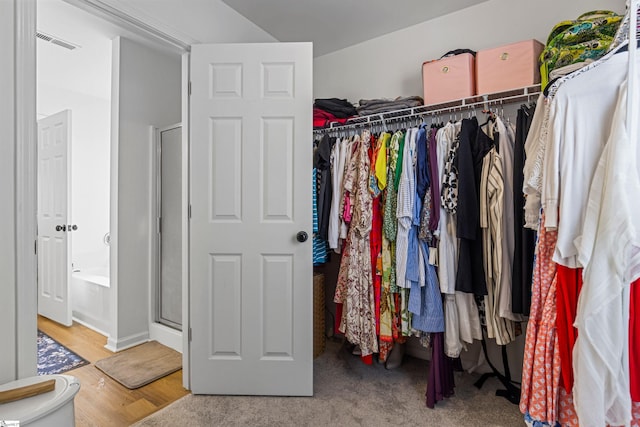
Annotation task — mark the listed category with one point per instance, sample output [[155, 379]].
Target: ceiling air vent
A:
[[56, 40], [43, 37]]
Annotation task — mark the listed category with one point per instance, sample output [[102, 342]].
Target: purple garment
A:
[[441, 381], [434, 219]]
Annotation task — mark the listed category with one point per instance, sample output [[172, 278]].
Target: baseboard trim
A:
[[79, 318], [116, 345], [166, 336]]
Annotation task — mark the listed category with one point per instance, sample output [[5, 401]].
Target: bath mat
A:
[[54, 358], [141, 365]]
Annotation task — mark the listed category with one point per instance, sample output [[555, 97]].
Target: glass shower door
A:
[[169, 311]]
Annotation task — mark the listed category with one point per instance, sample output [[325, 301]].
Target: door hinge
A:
[[189, 211], [35, 246], [189, 88], [159, 225], [190, 335]]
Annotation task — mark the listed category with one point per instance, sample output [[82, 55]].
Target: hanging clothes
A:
[[404, 213], [322, 162], [441, 383], [337, 174], [474, 145], [568, 289], [319, 245], [524, 238], [491, 223], [435, 172], [505, 133], [426, 304], [581, 162], [399, 203], [610, 251], [354, 288], [540, 368], [578, 132], [634, 343], [376, 232], [447, 259]]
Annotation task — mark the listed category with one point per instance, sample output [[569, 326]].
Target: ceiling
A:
[[335, 24], [330, 24]]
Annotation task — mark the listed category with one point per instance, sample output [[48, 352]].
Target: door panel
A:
[[250, 280], [54, 207]]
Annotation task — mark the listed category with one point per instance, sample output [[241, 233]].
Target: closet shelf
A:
[[485, 101]]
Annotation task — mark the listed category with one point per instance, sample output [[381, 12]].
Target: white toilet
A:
[[54, 408]]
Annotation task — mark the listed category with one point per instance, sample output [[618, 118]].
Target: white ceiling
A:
[[330, 24], [335, 24]]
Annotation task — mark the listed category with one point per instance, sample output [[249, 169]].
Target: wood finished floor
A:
[[102, 401]]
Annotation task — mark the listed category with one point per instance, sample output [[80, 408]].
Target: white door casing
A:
[[54, 208], [251, 161]]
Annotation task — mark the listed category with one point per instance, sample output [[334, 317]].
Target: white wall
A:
[[390, 66], [146, 91], [8, 362], [90, 148]]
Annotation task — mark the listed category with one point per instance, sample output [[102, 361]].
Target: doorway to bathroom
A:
[[117, 86], [74, 70]]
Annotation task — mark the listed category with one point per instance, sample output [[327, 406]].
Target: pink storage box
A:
[[508, 67], [448, 79]]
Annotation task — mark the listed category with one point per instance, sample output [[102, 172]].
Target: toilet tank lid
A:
[[35, 407]]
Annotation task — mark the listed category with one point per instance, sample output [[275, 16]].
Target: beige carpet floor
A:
[[349, 393]]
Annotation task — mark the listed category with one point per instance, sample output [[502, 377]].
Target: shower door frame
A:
[[156, 295]]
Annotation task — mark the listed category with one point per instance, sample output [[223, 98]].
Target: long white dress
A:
[[609, 249]]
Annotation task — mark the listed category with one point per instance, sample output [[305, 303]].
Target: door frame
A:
[[26, 189], [158, 331], [25, 121]]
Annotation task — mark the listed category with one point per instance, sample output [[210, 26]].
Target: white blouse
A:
[[580, 123]]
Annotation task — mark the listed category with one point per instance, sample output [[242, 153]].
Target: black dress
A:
[[474, 145], [525, 239]]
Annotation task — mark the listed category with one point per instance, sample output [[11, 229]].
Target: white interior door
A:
[[251, 161], [54, 207]]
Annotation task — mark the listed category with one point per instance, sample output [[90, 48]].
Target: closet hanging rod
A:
[[460, 105]]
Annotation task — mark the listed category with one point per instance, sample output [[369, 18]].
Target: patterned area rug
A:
[[54, 358]]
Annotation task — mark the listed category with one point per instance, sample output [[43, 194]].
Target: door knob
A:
[[61, 227], [72, 227], [302, 236]]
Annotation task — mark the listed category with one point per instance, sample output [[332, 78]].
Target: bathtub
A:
[[90, 298], [97, 276]]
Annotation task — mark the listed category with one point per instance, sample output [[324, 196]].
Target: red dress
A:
[[569, 285], [634, 342]]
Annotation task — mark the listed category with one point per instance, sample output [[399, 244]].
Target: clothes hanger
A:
[[491, 117]]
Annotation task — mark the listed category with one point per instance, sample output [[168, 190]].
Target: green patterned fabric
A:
[[571, 42]]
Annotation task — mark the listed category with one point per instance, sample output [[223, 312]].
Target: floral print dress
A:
[[355, 288]]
